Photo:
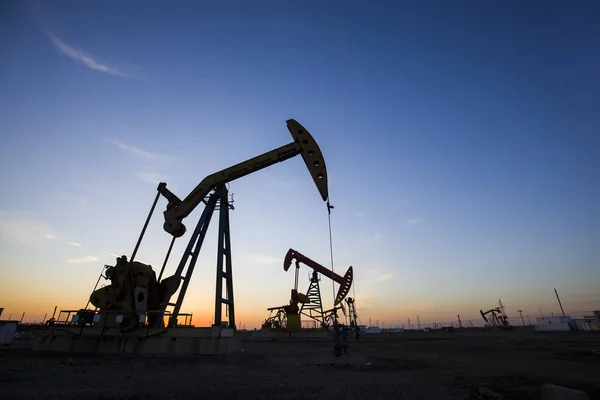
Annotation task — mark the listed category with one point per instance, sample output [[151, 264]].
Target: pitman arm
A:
[[303, 144]]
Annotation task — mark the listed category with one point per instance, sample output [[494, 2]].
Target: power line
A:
[[329, 207]]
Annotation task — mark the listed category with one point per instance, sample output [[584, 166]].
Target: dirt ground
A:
[[410, 365]]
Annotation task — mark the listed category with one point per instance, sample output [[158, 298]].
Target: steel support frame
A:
[[224, 252], [352, 313], [218, 198], [314, 309]]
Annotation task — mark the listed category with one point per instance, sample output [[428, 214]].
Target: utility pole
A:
[[559, 303], [418, 323], [22, 316], [409, 323], [528, 320], [522, 320], [502, 309], [540, 308], [459, 321]]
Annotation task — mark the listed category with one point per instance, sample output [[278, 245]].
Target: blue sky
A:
[[461, 144]]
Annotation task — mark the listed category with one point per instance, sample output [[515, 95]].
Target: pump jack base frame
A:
[[153, 341], [282, 334]]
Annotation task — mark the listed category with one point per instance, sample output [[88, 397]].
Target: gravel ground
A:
[[403, 366]]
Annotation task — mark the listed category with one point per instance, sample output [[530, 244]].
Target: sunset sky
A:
[[462, 145]]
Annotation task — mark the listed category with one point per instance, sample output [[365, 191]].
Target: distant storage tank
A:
[[7, 332], [553, 324]]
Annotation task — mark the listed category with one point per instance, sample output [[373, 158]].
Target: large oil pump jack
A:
[[308, 304], [137, 292]]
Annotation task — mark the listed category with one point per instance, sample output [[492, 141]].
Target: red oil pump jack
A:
[[311, 305]]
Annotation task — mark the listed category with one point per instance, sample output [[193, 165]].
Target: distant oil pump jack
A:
[[287, 317], [354, 325], [494, 318]]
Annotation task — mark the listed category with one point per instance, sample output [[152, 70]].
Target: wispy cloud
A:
[[369, 289], [74, 199], [22, 228], [138, 152], [264, 259], [384, 278], [111, 254], [376, 279], [377, 236], [84, 58], [373, 277], [151, 177], [74, 244], [422, 306], [82, 260], [413, 221]]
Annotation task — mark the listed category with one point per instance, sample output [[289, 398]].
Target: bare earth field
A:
[[410, 365]]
